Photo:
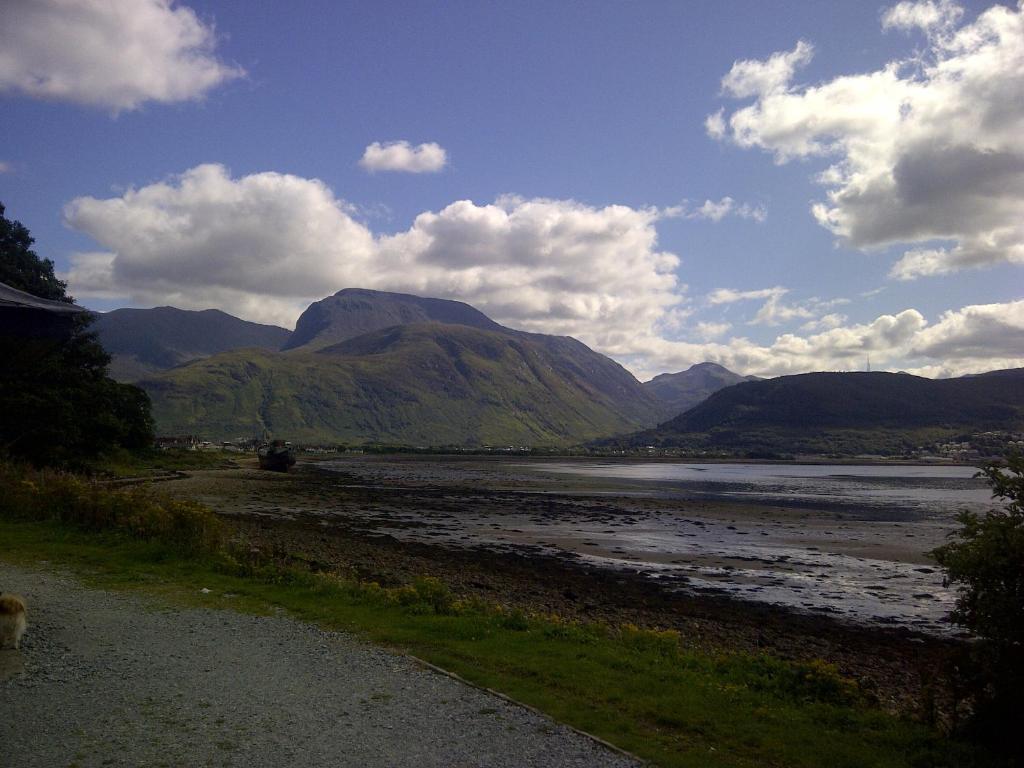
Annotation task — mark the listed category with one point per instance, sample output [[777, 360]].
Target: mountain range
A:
[[844, 413], [372, 366], [679, 392], [142, 342]]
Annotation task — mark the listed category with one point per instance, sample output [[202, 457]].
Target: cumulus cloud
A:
[[260, 246], [927, 16], [402, 156], [754, 78], [979, 332], [116, 53], [927, 151], [968, 340], [263, 246]]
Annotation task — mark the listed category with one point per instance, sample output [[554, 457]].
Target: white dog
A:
[[12, 620]]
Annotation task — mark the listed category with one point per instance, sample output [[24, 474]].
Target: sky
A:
[[777, 187]]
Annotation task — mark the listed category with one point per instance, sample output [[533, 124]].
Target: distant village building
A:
[[187, 442]]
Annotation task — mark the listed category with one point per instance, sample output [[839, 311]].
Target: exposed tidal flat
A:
[[828, 562], [850, 540]]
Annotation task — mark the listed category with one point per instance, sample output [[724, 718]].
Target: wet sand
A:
[[589, 549]]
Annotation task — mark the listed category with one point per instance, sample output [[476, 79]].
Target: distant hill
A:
[[419, 384], [678, 392], [844, 413], [142, 342], [354, 311]]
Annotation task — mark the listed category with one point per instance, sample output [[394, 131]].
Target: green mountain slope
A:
[[845, 413], [144, 341], [420, 384], [679, 392]]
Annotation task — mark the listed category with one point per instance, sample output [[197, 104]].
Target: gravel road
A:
[[104, 678]]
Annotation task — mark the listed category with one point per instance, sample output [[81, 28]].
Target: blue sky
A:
[[557, 111]]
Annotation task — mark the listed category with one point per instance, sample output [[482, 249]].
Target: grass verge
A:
[[636, 688], [126, 464]]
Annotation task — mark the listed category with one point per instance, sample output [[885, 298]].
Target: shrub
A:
[[986, 562], [139, 512], [814, 681]]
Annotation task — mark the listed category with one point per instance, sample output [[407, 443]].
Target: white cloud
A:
[[260, 246], [709, 330], [927, 16], [553, 266], [730, 296], [109, 53], [774, 311], [716, 211], [969, 340], [715, 125], [976, 333], [927, 151], [756, 78], [825, 323], [265, 245], [402, 156]]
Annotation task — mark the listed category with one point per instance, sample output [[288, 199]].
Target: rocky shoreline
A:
[[282, 516]]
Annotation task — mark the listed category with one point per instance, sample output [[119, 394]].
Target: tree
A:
[[21, 268], [57, 404], [986, 561]]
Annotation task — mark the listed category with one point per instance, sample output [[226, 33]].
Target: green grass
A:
[[121, 464], [638, 689]]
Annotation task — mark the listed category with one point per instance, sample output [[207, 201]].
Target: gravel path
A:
[[111, 679]]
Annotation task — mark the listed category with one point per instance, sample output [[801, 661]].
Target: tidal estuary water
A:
[[845, 540]]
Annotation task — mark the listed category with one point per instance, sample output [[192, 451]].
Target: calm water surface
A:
[[926, 490]]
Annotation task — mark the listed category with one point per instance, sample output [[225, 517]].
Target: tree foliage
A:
[[21, 268], [986, 562], [57, 404]]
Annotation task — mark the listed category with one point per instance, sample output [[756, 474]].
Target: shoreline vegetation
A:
[[704, 693]]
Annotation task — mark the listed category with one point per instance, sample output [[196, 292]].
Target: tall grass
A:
[[46, 494]]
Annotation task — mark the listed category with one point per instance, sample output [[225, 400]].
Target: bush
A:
[[814, 681], [986, 562], [139, 512]]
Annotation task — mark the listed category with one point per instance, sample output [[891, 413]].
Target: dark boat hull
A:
[[276, 460]]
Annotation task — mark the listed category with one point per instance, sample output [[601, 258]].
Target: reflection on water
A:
[[926, 490]]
